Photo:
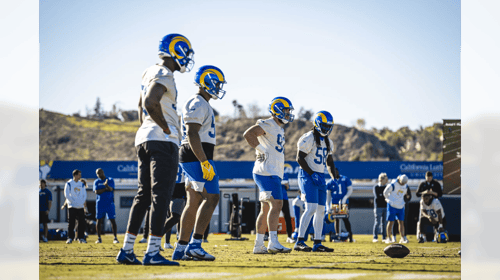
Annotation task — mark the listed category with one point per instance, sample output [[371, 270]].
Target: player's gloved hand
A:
[[317, 179], [208, 170]]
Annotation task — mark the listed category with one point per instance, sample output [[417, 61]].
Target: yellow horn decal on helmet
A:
[[174, 41], [279, 100], [323, 118], [210, 71]]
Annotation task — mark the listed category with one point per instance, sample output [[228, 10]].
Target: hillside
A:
[[65, 137]]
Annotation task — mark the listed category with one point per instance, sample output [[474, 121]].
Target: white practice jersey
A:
[[273, 142], [316, 156], [198, 110], [433, 208], [395, 193], [149, 130]]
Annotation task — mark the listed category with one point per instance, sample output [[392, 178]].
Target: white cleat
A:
[[143, 240], [274, 248], [290, 240], [403, 240], [167, 246], [260, 249], [388, 241], [376, 240]]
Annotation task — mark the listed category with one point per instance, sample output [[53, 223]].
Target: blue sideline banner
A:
[[243, 169]]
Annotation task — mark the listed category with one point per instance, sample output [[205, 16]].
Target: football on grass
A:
[[396, 251]]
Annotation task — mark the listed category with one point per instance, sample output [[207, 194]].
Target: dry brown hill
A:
[[65, 137]]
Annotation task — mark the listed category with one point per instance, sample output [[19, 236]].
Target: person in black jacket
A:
[[380, 206], [430, 184]]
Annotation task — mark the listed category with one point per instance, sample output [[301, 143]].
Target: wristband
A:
[[261, 149]]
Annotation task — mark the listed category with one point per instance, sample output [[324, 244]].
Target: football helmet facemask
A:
[[211, 79], [179, 49], [323, 123], [277, 109]]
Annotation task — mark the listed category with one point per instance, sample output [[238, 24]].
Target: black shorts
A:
[[44, 217], [426, 222]]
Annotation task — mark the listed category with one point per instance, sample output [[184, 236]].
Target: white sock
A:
[[154, 244], [319, 217], [305, 219], [194, 240], [274, 236], [128, 242], [260, 238]]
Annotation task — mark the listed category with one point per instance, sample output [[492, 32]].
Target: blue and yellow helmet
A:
[[277, 107], [323, 123], [211, 79], [179, 48]]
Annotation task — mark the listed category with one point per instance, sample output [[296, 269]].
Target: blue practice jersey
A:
[[338, 188], [105, 197], [45, 197]]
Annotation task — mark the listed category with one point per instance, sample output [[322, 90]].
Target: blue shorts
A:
[[314, 193], [101, 210], [395, 213], [269, 184], [285, 194], [192, 170]]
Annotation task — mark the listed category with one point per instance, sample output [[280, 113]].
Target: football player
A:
[[156, 143], [267, 137], [431, 213], [176, 207], [339, 189], [314, 155], [285, 186], [395, 194], [196, 159], [104, 203]]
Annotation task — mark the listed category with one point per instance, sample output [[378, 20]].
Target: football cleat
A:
[[82, 240], [277, 109], [127, 258], [143, 240], [389, 241], [179, 252], [403, 240], [421, 240], [44, 239], [320, 248], [156, 259], [266, 237], [301, 246], [69, 241], [260, 249], [115, 241], [205, 240], [179, 49], [323, 123], [168, 246], [375, 240], [211, 79], [194, 250], [275, 248], [99, 240], [290, 240]]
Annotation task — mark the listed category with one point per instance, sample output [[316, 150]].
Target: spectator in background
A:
[[105, 203], [430, 184], [380, 206], [76, 196], [44, 207]]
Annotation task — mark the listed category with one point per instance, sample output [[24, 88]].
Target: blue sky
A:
[[393, 63]]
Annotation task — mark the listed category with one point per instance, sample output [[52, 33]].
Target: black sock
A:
[[301, 239], [317, 242], [183, 242], [197, 236]]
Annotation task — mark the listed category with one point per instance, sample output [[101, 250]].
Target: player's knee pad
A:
[[265, 196]]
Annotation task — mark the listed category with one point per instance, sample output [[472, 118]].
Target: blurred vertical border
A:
[[480, 162], [19, 72]]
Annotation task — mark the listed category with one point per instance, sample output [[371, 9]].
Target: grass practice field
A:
[[359, 260]]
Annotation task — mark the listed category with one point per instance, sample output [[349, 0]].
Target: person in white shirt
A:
[[267, 137], [431, 213], [395, 194], [76, 196]]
